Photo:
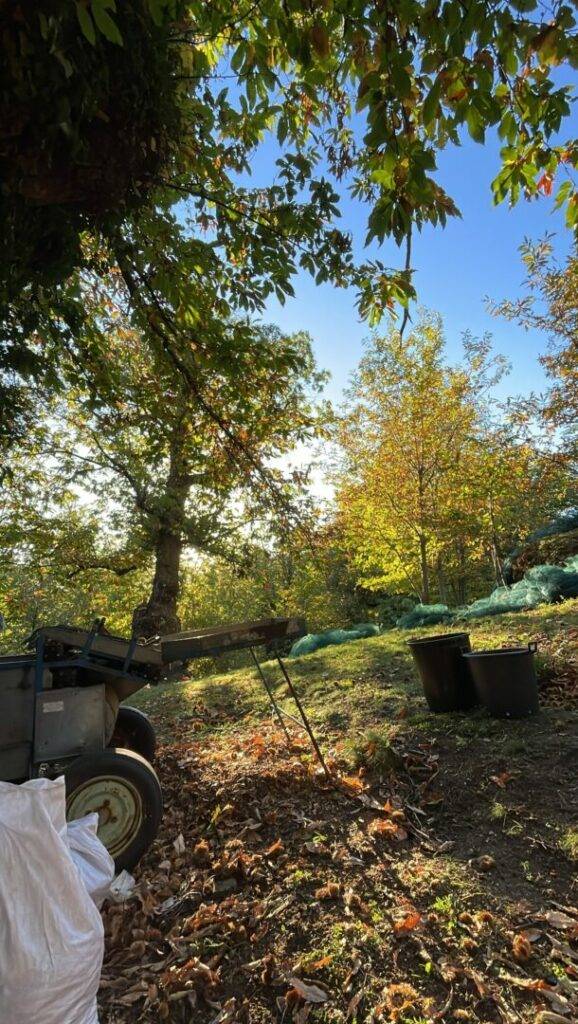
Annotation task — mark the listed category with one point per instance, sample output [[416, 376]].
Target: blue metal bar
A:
[[93, 631], [129, 653]]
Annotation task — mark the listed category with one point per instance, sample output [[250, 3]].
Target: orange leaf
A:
[[389, 829], [521, 948], [276, 849], [318, 965], [408, 924], [545, 184], [352, 784], [501, 779]]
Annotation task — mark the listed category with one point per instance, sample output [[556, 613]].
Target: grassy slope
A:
[[467, 786], [349, 688]]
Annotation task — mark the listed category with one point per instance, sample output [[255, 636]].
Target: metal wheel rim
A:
[[118, 805]]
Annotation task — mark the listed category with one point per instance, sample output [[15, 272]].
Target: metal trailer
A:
[[61, 712]]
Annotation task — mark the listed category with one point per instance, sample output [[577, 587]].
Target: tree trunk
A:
[[441, 580], [158, 615], [495, 550], [463, 577], [424, 569]]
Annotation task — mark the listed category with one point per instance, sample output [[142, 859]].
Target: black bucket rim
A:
[[510, 651], [416, 640]]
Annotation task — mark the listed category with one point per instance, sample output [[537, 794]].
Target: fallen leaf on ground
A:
[[317, 848], [387, 829], [330, 891], [309, 992], [501, 779], [521, 948], [547, 1017], [276, 849], [318, 965], [354, 1003], [352, 784], [557, 919], [532, 934], [407, 924]]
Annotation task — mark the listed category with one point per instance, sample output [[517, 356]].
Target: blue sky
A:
[[455, 269]]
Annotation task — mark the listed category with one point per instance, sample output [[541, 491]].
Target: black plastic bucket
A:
[[447, 684], [505, 681]]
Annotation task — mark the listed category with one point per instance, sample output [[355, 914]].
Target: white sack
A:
[[91, 857], [51, 933]]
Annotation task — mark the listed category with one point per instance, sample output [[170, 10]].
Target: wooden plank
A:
[[202, 643]]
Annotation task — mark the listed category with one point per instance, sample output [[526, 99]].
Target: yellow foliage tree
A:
[[432, 486]]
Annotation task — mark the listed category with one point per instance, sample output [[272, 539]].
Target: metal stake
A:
[[270, 694], [301, 709]]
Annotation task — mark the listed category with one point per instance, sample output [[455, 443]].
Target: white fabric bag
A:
[[51, 933], [91, 857]]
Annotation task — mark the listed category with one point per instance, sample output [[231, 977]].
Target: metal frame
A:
[[282, 715], [81, 660], [201, 643]]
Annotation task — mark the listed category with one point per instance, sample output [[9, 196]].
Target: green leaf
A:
[[475, 124], [104, 22], [562, 194], [86, 23], [383, 175], [238, 56], [431, 103]]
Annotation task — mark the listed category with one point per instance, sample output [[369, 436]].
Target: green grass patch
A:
[[569, 843], [354, 690]]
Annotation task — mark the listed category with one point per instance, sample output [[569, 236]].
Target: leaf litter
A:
[[272, 894]]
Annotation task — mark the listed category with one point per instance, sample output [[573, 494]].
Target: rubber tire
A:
[[127, 764], [133, 730]]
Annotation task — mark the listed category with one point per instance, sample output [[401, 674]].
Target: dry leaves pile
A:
[[273, 894]]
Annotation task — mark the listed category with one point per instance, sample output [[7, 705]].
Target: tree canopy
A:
[[133, 436], [550, 304], [434, 485], [130, 132]]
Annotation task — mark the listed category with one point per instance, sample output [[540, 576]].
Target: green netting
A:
[[565, 523], [314, 641], [543, 584], [425, 615]]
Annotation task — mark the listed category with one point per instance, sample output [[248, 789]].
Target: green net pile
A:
[[315, 641], [543, 584], [563, 524]]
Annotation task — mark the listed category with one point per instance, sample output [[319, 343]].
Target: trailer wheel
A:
[[125, 792], [133, 730]]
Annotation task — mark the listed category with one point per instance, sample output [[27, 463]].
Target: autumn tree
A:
[[431, 484], [131, 432]]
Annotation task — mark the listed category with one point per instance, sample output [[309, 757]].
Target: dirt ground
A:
[[432, 878]]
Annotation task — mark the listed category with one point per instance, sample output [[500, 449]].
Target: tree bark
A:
[[495, 549], [424, 569], [441, 580], [158, 615], [462, 588]]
